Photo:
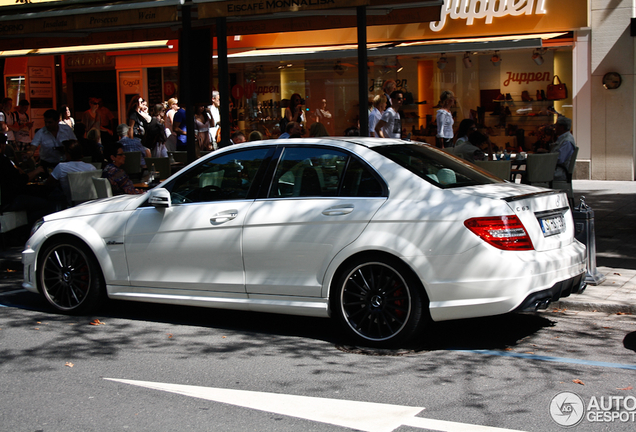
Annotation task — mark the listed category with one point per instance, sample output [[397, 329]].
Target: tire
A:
[[69, 277], [379, 302]]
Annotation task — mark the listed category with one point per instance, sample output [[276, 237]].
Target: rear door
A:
[[320, 200]]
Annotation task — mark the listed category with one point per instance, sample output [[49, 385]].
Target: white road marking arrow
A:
[[364, 416]]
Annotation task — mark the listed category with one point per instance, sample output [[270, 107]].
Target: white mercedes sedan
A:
[[382, 235]]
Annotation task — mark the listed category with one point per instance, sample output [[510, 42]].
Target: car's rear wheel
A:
[[69, 277], [380, 302]]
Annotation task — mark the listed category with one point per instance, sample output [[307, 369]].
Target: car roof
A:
[[363, 141]]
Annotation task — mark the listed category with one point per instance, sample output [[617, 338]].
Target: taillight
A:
[[502, 232]]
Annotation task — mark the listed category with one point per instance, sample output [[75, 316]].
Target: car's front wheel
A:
[[379, 302], [69, 277]]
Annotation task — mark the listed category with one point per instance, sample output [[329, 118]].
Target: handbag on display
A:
[[557, 91]]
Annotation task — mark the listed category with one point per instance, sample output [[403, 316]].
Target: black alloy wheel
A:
[[69, 277], [380, 302]]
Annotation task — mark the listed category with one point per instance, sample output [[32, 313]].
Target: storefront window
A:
[[506, 98]]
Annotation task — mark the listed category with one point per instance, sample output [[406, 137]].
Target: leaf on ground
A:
[[617, 274], [169, 335], [626, 388], [37, 328], [69, 364], [623, 313], [96, 322], [578, 381]]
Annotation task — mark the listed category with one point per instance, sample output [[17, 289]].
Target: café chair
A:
[[540, 168], [10, 220], [82, 187], [500, 169], [132, 164], [566, 185], [162, 164], [102, 187]]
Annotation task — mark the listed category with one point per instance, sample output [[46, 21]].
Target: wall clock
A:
[[612, 80]]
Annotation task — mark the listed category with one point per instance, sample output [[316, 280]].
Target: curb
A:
[[590, 306]]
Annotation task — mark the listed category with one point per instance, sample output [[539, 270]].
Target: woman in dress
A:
[[323, 116], [173, 107], [202, 127], [65, 117], [155, 137], [136, 122], [445, 119]]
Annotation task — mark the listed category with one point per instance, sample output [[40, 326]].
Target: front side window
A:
[[227, 177], [435, 166], [322, 172]]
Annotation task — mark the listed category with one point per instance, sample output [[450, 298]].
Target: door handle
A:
[[224, 216], [339, 210]]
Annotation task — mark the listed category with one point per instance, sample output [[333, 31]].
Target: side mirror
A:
[[159, 197]]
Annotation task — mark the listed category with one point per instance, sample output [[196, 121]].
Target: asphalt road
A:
[[502, 372]]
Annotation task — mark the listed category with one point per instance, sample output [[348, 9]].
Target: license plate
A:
[[552, 225]]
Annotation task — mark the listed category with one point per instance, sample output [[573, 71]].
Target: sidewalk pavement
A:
[[614, 206]]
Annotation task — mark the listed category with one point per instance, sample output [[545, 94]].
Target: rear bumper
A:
[[541, 299]]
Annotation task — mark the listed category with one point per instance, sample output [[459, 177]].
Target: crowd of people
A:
[[46, 156]]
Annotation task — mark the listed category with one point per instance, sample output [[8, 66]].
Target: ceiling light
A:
[[537, 56], [442, 62], [339, 68], [399, 66], [467, 61], [495, 59]]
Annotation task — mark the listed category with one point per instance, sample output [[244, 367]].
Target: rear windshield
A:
[[436, 166]]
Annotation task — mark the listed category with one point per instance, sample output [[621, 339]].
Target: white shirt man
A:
[[216, 117], [50, 138], [390, 125]]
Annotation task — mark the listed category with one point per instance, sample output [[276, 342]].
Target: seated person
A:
[[132, 144], [471, 149], [74, 156], [119, 180], [16, 194]]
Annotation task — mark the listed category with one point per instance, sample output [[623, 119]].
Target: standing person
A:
[[155, 135], [445, 119], [119, 180], [564, 145], [324, 116], [21, 126], [379, 105], [50, 138], [143, 110], [215, 122], [180, 128], [390, 125], [389, 87], [294, 112], [6, 106], [65, 117], [171, 141], [74, 163], [90, 117], [202, 120], [132, 144], [136, 122]]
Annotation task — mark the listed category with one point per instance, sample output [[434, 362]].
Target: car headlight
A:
[[36, 226]]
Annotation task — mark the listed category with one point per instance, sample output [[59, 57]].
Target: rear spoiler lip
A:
[[531, 195]]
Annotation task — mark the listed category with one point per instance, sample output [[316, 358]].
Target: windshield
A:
[[435, 166]]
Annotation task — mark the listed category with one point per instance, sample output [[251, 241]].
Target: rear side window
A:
[[323, 172], [435, 166]]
